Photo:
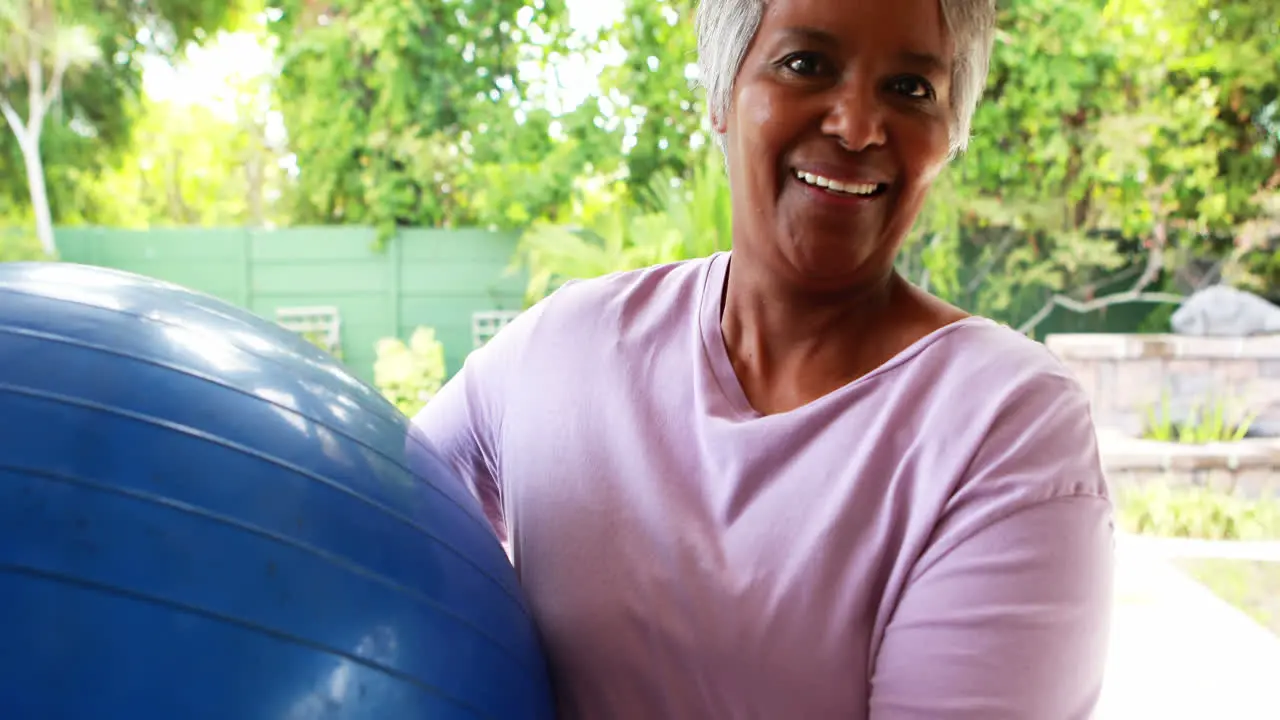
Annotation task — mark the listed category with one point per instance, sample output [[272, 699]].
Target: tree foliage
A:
[[90, 123], [199, 169], [412, 113], [212, 159], [1118, 146], [609, 232], [653, 91]]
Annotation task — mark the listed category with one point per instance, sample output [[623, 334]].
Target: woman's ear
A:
[[718, 123]]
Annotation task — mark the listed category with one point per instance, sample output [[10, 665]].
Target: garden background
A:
[[398, 180]]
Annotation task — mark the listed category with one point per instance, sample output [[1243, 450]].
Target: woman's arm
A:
[[463, 422], [1007, 614]]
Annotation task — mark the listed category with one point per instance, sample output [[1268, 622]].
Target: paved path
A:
[[1177, 651]]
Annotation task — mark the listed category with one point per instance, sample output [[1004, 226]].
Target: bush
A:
[[1197, 512], [19, 245], [409, 375]]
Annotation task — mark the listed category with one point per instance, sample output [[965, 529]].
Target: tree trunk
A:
[[39, 193], [39, 99]]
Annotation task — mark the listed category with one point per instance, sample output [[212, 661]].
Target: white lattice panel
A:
[[321, 325], [486, 324]]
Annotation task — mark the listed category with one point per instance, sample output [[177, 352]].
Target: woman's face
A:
[[837, 127]]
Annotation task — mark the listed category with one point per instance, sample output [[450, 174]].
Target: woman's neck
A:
[[790, 347]]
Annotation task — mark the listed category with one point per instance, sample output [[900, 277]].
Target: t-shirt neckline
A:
[[717, 354]]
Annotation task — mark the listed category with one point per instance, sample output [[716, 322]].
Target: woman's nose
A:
[[855, 118]]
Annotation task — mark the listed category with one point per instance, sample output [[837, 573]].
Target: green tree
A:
[[38, 45], [528, 172], [215, 160], [414, 113], [608, 231], [191, 166], [67, 71], [1112, 159], [655, 94]]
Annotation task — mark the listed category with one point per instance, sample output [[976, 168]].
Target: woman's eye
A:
[[914, 87], [803, 64]]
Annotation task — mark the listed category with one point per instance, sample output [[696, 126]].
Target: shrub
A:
[[19, 245], [1198, 512], [410, 374]]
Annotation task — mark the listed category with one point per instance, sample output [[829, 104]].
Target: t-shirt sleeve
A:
[[463, 422], [1007, 613]]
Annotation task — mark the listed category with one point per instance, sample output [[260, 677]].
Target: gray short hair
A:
[[726, 28]]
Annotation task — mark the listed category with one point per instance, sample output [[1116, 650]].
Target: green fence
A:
[[438, 278]]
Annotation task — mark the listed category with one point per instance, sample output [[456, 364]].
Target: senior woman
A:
[[783, 482]]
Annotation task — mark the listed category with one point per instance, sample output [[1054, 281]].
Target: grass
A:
[[1210, 421], [1253, 587], [1202, 513]]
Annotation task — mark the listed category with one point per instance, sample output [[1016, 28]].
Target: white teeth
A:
[[836, 185]]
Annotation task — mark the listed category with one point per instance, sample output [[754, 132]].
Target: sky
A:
[[208, 73]]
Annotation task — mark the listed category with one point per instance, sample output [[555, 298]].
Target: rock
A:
[[1224, 311]]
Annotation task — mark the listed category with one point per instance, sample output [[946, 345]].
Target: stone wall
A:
[[1250, 468], [1127, 376]]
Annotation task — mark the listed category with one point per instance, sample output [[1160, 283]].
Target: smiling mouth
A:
[[836, 187]]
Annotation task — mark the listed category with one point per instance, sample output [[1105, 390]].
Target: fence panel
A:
[[438, 278], [448, 275]]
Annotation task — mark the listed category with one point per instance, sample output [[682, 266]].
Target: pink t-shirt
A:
[[932, 541]]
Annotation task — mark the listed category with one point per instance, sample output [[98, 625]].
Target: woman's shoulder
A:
[[977, 377], [978, 349], [582, 313], [1020, 410], [648, 297]]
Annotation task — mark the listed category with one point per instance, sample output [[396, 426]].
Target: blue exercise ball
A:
[[204, 516]]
